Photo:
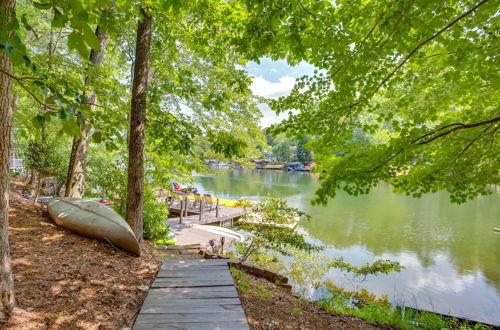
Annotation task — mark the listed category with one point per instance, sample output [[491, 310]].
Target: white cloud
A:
[[265, 88], [269, 117]]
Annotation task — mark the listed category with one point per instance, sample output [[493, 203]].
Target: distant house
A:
[[212, 162], [271, 157], [294, 166], [16, 163], [262, 161]]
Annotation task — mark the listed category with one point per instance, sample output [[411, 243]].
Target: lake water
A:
[[451, 254]]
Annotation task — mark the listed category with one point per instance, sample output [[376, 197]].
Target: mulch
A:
[[63, 280], [283, 310]]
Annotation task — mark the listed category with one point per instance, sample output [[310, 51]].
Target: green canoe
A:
[[94, 220]]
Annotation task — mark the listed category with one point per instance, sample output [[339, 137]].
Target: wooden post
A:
[[186, 206], [182, 210], [217, 209], [201, 210]]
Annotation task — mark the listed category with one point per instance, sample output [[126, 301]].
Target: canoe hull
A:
[[94, 220]]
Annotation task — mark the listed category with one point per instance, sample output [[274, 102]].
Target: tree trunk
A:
[[135, 187], [7, 302], [37, 192], [75, 181]]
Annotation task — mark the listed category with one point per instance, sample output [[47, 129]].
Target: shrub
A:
[[155, 216]]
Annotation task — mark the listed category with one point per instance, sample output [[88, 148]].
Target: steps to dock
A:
[[192, 294]]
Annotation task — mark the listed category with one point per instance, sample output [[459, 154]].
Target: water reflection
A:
[[451, 255]]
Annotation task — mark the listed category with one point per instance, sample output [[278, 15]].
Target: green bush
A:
[[155, 217]]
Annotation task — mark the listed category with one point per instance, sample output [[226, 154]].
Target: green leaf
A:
[[38, 121], [71, 127], [75, 41], [97, 137], [27, 26], [42, 5], [59, 20], [63, 114], [90, 37]]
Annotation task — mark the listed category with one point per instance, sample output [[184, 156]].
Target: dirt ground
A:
[[268, 307], [63, 280]]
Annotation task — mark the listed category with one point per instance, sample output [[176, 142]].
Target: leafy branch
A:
[[452, 128], [458, 126], [426, 41], [413, 52], [19, 80]]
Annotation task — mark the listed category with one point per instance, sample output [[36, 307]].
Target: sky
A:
[[273, 79]]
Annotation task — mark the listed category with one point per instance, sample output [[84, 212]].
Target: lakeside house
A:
[[16, 163]]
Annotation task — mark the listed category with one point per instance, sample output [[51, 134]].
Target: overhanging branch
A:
[[455, 127], [458, 126], [19, 80]]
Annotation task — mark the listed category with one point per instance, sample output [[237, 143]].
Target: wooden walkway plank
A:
[[216, 294], [192, 294], [221, 325], [176, 264], [190, 317], [179, 291], [190, 284], [192, 272], [193, 308], [194, 276], [153, 302]]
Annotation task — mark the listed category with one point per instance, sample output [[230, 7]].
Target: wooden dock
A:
[[192, 294], [187, 235], [222, 216]]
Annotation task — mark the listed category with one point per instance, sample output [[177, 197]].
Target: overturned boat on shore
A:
[[94, 220]]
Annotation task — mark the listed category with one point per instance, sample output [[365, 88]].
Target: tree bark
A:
[[6, 283], [75, 182], [135, 186]]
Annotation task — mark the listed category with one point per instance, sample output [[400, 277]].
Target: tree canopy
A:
[[405, 92]]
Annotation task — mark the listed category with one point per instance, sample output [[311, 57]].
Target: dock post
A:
[[185, 206], [217, 210], [201, 210], [182, 210]]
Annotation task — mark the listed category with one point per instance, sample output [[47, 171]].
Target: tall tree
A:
[[7, 300], [78, 161], [135, 186]]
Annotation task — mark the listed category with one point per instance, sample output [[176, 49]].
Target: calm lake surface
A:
[[451, 255]]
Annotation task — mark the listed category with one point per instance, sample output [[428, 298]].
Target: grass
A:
[[245, 283], [378, 311]]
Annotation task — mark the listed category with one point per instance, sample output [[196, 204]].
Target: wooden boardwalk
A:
[[187, 235], [192, 294]]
